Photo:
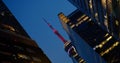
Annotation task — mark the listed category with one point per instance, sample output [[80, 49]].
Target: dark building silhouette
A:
[[16, 46], [94, 22], [104, 12], [83, 49]]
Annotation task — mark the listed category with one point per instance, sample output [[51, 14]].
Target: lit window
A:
[[106, 35], [109, 49], [96, 14], [90, 4], [8, 27], [108, 38], [23, 56], [83, 20], [81, 17], [72, 26], [36, 59], [103, 3], [90, 19], [63, 18], [103, 43], [116, 22], [105, 16], [82, 61], [106, 23]]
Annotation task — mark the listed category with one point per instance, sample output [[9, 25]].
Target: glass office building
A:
[[83, 49], [16, 46], [104, 12], [99, 39]]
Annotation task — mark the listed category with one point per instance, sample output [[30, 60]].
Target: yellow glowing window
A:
[[96, 14], [109, 38], [81, 17], [117, 23], [8, 27], [106, 35], [63, 18], [72, 26], [82, 61], [104, 42], [103, 3], [85, 18], [109, 49], [23, 56], [90, 4]]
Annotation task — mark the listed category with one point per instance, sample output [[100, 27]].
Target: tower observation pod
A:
[[69, 47]]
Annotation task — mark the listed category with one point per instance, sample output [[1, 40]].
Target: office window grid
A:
[[98, 27]]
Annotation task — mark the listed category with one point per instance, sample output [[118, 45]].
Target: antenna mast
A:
[[69, 48], [55, 31]]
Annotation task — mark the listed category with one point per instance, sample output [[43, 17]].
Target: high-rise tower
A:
[[93, 32], [103, 12], [83, 49], [15, 44]]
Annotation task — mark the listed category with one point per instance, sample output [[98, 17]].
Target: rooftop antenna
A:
[[56, 32], [69, 47]]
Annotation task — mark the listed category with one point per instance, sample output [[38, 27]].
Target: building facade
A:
[[16, 46], [97, 33], [83, 49], [104, 12]]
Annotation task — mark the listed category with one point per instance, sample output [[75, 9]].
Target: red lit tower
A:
[[69, 48]]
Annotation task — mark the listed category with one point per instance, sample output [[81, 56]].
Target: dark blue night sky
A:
[[30, 12]]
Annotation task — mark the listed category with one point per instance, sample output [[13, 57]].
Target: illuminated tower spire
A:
[[69, 48], [55, 31]]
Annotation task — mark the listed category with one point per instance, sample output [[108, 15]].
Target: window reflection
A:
[[23, 56], [36, 59]]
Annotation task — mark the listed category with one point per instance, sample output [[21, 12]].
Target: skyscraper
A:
[[16, 46], [97, 26], [104, 12]]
